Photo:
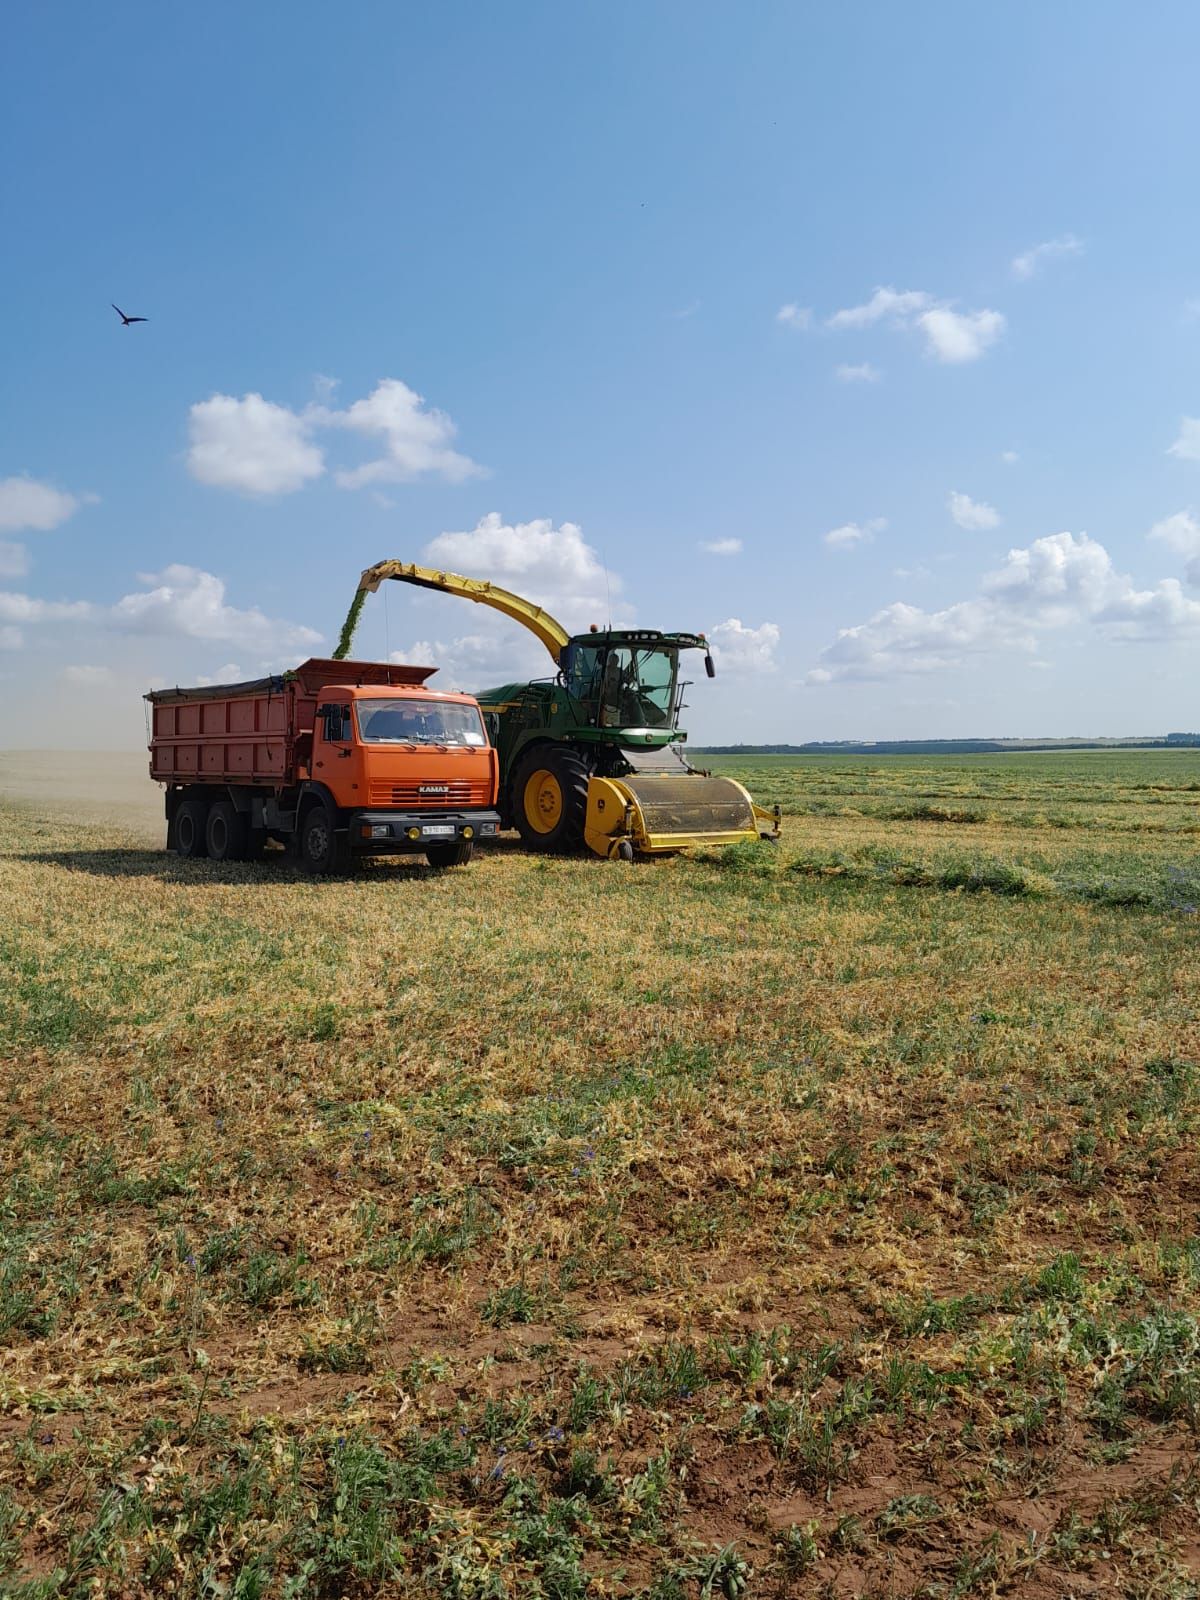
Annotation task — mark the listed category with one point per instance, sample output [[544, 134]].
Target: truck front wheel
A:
[[322, 849], [191, 822], [449, 855]]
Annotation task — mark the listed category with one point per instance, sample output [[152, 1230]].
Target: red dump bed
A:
[[256, 732]]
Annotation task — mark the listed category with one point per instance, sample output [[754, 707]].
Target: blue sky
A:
[[628, 258]]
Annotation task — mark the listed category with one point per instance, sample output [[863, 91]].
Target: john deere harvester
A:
[[594, 754]]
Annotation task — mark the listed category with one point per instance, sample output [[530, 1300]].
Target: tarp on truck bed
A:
[[311, 675]]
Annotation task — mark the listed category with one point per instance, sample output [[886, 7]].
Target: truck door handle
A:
[[344, 755]]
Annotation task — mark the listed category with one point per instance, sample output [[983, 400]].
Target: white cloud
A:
[[251, 445], [737, 648], [86, 677], [685, 312], [553, 566], [23, 608], [556, 568], [14, 559], [185, 601], [1187, 446], [1181, 533], [794, 316], [973, 515], [11, 639], [257, 447], [722, 547], [28, 504], [950, 336], [957, 336], [1059, 581], [1028, 264], [325, 387], [897, 305], [229, 673], [474, 661], [415, 440], [864, 372], [851, 534], [1009, 457]]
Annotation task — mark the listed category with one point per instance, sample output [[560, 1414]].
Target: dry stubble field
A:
[[814, 1221]]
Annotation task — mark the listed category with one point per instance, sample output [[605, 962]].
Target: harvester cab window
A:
[[654, 674], [637, 688], [622, 687], [581, 673]]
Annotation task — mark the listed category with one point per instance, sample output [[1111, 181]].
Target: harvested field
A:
[[818, 1220]]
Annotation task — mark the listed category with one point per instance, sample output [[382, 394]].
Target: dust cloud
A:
[[112, 788]]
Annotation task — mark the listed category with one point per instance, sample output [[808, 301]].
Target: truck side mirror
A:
[[337, 722], [710, 666]]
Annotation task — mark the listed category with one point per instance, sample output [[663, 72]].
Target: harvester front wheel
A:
[[549, 798]]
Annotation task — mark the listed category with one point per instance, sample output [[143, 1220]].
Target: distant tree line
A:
[[934, 747]]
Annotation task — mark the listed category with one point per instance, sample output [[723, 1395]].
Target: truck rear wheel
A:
[[226, 832], [322, 849], [449, 855], [190, 829], [549, 798]]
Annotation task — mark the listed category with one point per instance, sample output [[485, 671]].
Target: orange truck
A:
[[336, 759]]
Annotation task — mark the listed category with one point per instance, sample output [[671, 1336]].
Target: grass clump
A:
[[994, 877], [926, 811]]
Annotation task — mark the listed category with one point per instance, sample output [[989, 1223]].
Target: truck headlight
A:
[[468, 832], [381, 830], [413, 833]]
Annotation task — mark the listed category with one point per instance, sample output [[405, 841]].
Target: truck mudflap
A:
[[655, 813], [392, 831]]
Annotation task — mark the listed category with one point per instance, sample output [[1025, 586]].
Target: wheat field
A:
[[817, 1219]]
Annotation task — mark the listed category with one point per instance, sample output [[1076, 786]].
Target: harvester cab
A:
[[593, 755], [628, 679]]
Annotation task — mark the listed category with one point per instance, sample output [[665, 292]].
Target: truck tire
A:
[[456, 854], [191, 823], [226, 832], [549, 798], [323, 851]]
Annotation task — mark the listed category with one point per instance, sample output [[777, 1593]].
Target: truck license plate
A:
[[438, 827]]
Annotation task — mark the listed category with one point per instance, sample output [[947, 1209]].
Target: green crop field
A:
[[815, 1220]]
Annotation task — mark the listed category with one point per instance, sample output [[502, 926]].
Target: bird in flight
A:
[[125, 321]]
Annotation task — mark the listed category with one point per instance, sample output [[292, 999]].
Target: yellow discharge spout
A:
[[539, 622]]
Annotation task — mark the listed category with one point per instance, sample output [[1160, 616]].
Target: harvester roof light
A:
[[592, 628]]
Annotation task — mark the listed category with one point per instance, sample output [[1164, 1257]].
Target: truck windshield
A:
[[418, 722], [624, 687]]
